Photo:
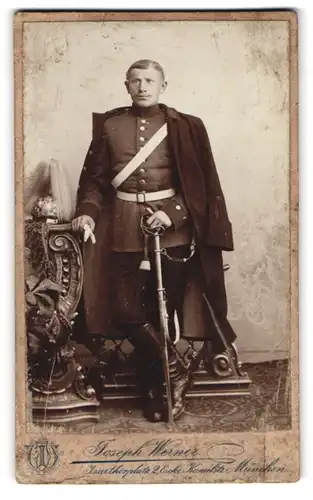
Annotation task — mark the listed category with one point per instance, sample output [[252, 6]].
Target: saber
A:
[[163, 325], [163, 314]]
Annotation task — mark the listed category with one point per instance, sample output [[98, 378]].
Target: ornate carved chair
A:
[[53, 285]]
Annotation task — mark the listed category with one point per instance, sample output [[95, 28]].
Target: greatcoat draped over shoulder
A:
[[191, 154]]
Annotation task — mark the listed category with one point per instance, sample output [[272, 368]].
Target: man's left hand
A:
[[159, 219]]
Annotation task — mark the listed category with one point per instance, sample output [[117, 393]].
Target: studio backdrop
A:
[[234, 76]]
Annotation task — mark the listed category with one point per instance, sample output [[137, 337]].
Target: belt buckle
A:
[[141, 197]]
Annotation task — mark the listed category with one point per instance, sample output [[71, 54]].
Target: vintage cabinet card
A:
[[156, 257]]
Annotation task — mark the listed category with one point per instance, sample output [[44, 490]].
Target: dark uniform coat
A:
[[200, 186]]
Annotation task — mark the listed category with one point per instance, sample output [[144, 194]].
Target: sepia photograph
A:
[[156, 249]]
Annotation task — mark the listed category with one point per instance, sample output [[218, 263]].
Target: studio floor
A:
[[266, 408]]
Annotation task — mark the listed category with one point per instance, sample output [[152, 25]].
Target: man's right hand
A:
[[81, 221]]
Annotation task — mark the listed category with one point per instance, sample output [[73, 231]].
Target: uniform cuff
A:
[[176, 212]]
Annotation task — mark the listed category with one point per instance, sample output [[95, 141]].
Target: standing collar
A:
[[146, 112], [155, 110]]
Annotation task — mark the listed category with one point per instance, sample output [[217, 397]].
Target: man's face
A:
[[145, 86]]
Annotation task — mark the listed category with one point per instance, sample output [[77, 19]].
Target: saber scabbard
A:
[[220, 333], [163, 326]]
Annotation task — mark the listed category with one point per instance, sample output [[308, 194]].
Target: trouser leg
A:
[[129, 286], [136, 313]]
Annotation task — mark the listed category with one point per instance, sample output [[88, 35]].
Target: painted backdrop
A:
[[234, 75]]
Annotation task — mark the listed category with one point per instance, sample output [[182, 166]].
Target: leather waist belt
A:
[[143, 197]]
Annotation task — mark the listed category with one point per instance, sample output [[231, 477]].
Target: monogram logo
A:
[[42, 455]]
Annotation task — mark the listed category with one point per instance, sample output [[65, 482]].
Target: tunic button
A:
[[141, 138], [178, 207], [142, 128], [142, 181], [141, 170], [143, 121]]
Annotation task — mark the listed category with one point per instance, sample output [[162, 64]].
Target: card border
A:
[[22, 436]]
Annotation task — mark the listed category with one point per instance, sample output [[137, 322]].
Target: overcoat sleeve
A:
[[176, 210], [218, 230], [94, 176]]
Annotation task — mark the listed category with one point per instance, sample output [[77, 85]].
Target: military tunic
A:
[[125, 134]]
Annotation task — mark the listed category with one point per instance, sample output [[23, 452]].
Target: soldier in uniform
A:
[[176, 187]]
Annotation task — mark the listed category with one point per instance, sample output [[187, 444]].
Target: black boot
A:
[[180, 378], [151, 376]]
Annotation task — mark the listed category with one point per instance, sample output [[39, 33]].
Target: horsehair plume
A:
[[50, 178], [61, 192]]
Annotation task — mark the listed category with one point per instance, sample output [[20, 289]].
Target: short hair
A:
[[145, 64]]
